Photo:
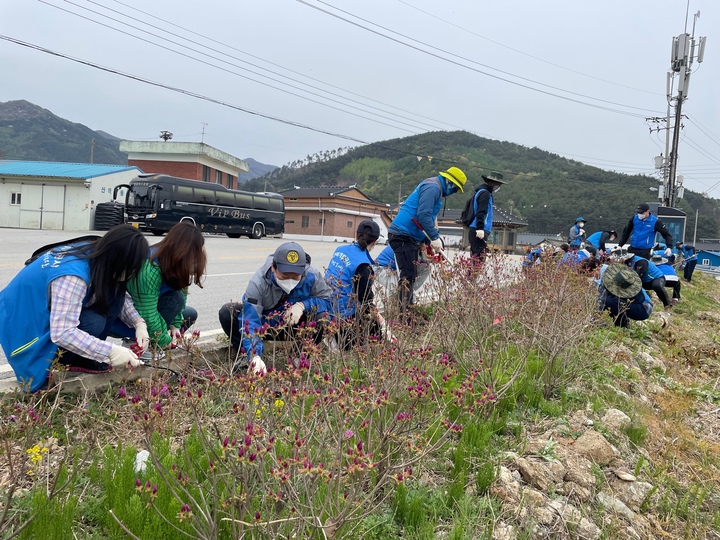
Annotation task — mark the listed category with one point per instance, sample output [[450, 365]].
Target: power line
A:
[[228, 70], [457, 26], [460, 64]]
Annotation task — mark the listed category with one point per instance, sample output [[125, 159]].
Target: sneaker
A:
[[84, 365], [675, 301]]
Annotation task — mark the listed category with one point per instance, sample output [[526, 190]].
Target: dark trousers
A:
[[230, 317], [478, 246], [658, 285], [168, 306], [96, 324], [644, 253], [407, 255], [622, 310], [675, 286], [689, 269]]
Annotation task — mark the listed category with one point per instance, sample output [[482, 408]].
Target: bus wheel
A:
[[157, 232], [257, 231], [233, 235]]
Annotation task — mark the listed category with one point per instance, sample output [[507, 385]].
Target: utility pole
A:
[[92, 151], [204, 125], [685, 49]]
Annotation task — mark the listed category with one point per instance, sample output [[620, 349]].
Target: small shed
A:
[[709, 259]]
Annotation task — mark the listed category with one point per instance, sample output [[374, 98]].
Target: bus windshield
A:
[[141, 196]]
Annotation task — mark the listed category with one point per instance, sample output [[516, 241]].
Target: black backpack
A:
[[48, 247], [468, 213]]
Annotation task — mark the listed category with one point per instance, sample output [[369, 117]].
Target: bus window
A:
[[184, 194], [225, 198], [276, 204], [244, 200], [204, 196], [261, 202]]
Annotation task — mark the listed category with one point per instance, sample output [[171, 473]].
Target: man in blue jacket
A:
[[641, 231], [651, 276], [284, 294], [481, 226], [599, 240], [415, 219], [689, 260]]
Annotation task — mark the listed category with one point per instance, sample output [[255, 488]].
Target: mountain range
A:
[[546, 190]]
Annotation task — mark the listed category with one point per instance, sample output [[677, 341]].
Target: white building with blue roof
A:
[[58, 196]]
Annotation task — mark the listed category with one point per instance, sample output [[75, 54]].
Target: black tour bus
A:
[[156, 202]]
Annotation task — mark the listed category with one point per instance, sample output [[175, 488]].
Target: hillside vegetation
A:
[[546, 190], [31, 133]]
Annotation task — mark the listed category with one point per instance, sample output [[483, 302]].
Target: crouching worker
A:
[[63, 304], [621, 292], [285, 294], [159, 291], [350, 275]]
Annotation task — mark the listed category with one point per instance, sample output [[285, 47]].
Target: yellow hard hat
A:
[[456, 176]]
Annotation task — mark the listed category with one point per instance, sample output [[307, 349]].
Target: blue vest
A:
[[487, 226], [403, 224], [653, 271], [578, 239], [340, 274], [643, 235], [594, 239], [667, 269], [25, 315], [387, 258]]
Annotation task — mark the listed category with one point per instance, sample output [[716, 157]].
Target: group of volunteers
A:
[[64, 304], [62, 307], [646, 265]]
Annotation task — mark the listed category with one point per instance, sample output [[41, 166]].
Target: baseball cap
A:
[[642, 207], [290, 257], [370, 228]]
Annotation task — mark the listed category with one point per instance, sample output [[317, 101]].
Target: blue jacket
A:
[[387, 258], [25, 315], [339, 276], [424, 204], [265, 302], [667, 269], [575, 257], [486, 224], [594, 239], [688, 252], [653, 271]]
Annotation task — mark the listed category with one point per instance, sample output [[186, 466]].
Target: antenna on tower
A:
[[204, 125], [166, 135]]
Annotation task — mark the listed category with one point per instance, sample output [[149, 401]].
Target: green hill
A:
[[31, 133], [545, 189]]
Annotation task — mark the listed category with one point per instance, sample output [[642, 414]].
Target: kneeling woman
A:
[[350, 275], [159, 291], [62, 306]]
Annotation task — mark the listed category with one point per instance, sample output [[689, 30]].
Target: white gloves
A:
[[174, 333], [293, 313], [385, 331], [141, 336], [480, 234], [120, 356], [668, 252], [436, 245], [257, 366], [582, 232]]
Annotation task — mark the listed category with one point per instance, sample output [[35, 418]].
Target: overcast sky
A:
[[404, 67]]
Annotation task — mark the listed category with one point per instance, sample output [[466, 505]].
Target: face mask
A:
[[496, 189], [641, 216], [287, 285], [581, 225]]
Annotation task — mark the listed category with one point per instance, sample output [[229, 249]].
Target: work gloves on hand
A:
[[385, 331], [257, 366], [667, 252], [141, 336], [480, 234], [174, 335], [436, 245], [120, 357], [294, 313]]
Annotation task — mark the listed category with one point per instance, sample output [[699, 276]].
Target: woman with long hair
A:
[[159, 291], [63, 304]]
